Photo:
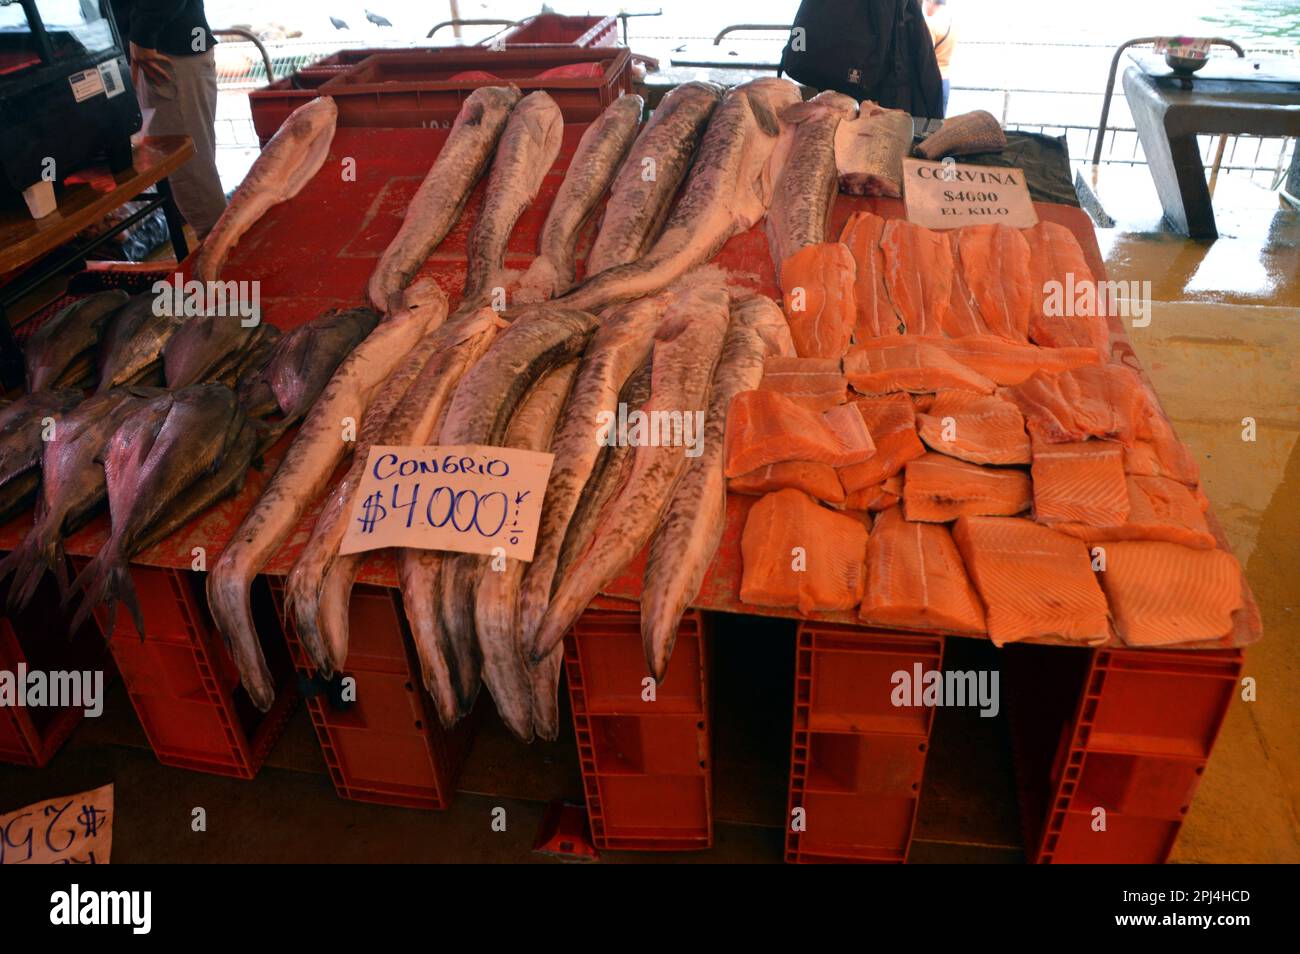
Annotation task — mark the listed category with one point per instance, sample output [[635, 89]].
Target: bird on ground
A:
[[377, 20], [339, 24]]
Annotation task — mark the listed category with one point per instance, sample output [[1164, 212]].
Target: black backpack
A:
[[868, 49]]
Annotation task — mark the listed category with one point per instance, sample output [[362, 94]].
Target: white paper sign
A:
[[467, 498], [111, 77], [70, 830], [945, 195], [86, 84]]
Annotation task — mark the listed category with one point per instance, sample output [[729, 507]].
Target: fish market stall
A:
[[897, 444]]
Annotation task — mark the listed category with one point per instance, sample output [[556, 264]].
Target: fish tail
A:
[[105, 579], [544, 679], [301, 611], [658, 636], [504, 671], [335, 598], [418, 572], [540, 283], [28, 563], [228, 599]]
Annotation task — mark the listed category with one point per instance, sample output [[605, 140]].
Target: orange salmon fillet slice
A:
[[816, 383], [816, 480], [995, 266], [981, 429], [908, 365], [892, 422], [1081, 482], [817, 284], [1057, 264], [918, 275], [1033, 581], [877, 497], [798, 553], [1158, 509], [1106, 401], [915, 578], [938, 489], [764, 427], [1163, 593], [875, 313]]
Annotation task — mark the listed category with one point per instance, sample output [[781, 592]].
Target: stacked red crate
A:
[[857, 759], [646, 765]]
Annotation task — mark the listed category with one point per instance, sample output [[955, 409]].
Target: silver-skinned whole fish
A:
[[52, 350], [686, 350], [527, 149], [728, 191], [597, 158], [688, 536], [496, 611], [485, 400], [437, 204], [72, 487], [806, 187], [300, 366], [620, 345], [24, 427], [131, 348], [286, 164], [644, 188], [320, 444], [155, 455], [204, 348]]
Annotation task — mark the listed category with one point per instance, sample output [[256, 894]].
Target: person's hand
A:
[[157, 66]]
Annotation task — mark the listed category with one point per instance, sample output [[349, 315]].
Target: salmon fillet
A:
[[1001, 361], [979, 428], [963, 316], [817, 284], [875, 313], [892, 423], [816, 383], [1107, 401], [1032, 580], [918, 275], [907, 365], [995, 266], [915, 578], [877, 497], [816, 480], [764, 427], [1158, 509], [1081, 482], [1162, 593], [798, 553], [1055, 258], [938, 488], [1166, 455]]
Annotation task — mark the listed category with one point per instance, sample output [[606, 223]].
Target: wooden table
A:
[[24, 240]]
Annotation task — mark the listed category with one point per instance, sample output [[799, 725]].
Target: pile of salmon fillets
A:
[[947, 453]]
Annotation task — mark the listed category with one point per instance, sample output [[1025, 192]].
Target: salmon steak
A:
[[916, 580], [1001, 361], [918, 275], [816, 480], [877, 497], [1106, 401], [798, 553], [1056, 265], [876, 316], [995, 267], [978, 428], [938, 489], [764, 427], [903, 364], [817, 285], [1032, 580], [1158, 509], [892, 422], [1081, 482], [816, 383], [1162, 593]]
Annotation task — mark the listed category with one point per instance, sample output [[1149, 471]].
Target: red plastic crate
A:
[[415, 88], [646, 766], [555, 29], [388, 746], [857, 761], [271, 105], [38, 638], [183, 684], [1128, 731]]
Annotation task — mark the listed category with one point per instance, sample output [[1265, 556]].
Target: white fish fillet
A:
[[869, 151]]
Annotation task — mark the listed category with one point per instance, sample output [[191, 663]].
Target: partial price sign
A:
[[946, 195], [71, 830], [468, 498]]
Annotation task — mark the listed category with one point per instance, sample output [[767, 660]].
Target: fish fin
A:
[[105, 579]]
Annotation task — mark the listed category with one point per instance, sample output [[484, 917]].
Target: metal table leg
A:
[[175, 223]]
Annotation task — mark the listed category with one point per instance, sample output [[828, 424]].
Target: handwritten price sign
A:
[[72, 830], [467, 498], [945, 195]]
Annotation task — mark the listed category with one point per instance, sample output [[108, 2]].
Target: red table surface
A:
[[317, 251]]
